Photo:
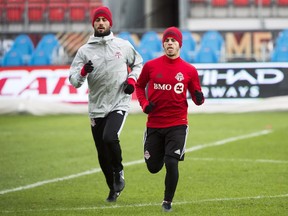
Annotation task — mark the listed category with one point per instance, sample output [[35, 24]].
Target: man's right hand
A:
[[148, 108], [87, 68]]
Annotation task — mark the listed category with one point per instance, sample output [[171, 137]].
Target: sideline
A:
[[96, 170], [151, 204]]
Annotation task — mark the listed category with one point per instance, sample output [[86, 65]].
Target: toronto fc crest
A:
[[179, 76]]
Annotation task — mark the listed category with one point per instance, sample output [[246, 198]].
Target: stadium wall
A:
[[46, 90]]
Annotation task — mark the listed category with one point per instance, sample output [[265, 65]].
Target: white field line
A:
[[238, 160], [96, 170], [150, 204], [228, 140]]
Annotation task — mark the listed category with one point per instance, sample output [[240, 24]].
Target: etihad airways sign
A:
[[239, 80], [243, 80]]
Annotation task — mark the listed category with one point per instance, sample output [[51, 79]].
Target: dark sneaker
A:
[[119, 182], [112, 197], [166, 206]]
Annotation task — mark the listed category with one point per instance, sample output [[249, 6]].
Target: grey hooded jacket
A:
[[111, 57]]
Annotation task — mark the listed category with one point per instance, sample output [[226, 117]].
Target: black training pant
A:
[[106, 133]]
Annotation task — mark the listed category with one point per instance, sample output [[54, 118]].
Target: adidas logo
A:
[[120, 112], [177, 152]]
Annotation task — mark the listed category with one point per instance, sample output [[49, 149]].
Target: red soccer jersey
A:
[[167, 82]]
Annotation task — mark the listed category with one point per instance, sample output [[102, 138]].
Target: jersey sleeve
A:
[[195, 85], [141, 86]]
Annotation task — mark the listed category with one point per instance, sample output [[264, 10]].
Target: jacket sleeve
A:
[[135, 63], [75, 77]]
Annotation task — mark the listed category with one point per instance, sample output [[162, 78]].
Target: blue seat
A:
[[206, 55], [188, 46], [282, 38], [40, 57], [127, 36], [280, 54], [184, 54], [150, 40], [48, 43], [12, 58], [24, 44], [212, 39], [146, 54], [188, 42]]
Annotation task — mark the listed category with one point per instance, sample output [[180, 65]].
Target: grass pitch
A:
[[236, 164]]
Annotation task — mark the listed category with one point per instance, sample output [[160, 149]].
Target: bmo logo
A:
[[178, 88]]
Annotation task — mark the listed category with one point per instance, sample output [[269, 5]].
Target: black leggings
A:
[[106, 133], [172, 175]]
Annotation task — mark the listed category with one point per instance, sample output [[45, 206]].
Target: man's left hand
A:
[[199, 97], [129, 86]]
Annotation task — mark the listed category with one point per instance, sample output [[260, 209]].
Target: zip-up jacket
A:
[[111, 58]]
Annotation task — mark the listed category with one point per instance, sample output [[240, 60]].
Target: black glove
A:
[[88, 67], [129, 86], [199, 97], [149, 107]]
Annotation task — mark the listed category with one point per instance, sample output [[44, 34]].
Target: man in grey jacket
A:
[[111, 66]]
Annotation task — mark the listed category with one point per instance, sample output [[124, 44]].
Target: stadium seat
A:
[[127, 36], [24, 43], [282, 38], [57, 10], [219, 3], [15, 10], [206, 55], [24, 46], [146, 54], [264, 3], [186, 56], [241, 3], [151, 41], [12, 58], [36, 10], [40, 57], [213, 39], [77, 10], [282, 2], [188, 46], [48, 42], [199, 1], [280, 54], [188, 41]]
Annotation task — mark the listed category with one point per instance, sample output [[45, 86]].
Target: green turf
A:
[[242, 177]]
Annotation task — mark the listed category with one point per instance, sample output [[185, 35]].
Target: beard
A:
[[171, 55], [101, 34]]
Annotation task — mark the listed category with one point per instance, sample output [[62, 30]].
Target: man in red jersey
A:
[[167, 79]]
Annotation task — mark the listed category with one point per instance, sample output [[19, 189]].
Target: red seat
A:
[[198, 1], [282, 2], [14, 12], [36, 11], [57, 11], [219, 3], [263, 2], [78, 10], [241, 2]]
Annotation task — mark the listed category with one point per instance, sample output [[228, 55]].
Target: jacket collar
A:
[[100, 40]]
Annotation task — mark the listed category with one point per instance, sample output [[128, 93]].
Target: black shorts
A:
[[159, 142]]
